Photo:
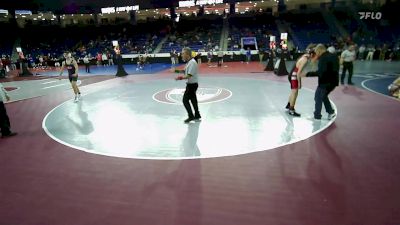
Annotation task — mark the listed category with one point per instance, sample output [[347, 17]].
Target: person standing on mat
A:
[[346, 59], [220, 57], [173, 57], [248, 55], [4, 120], [191, 74], [86, 61], [328, 79], [72, 67], [295, 79]]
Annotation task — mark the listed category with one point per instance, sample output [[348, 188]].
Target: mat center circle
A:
[[239, 116]]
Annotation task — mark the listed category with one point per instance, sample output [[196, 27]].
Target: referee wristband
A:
[[178, 71]]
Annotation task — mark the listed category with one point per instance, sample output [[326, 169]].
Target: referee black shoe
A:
[[188, 119], [197, 117]]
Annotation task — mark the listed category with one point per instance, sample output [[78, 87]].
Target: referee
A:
[[191, 74], [347, 58]]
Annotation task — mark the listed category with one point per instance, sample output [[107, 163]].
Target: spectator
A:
[[248, 55], [261, 55], [86, 61], [4, 120], [394, 88], [243, 54], [220, 58], [173, 58], [2, 70], [361, 52], [99, 58], [209, 57], [104, 59], [198, 57], [140, 63], [110, 59], [370, 54]]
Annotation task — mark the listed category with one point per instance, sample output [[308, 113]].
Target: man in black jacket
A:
[[328, 79], [4, 120]]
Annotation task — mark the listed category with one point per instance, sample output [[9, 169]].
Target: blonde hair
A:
[[311, 46], [188, 51], [320, 49]]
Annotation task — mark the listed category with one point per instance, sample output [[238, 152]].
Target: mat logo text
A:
[[204, 95]]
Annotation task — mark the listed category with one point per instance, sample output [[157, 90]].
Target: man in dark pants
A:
[[4, 120], [86, 61], [347, 58], [2, 69], [191, 74], [328, 79]]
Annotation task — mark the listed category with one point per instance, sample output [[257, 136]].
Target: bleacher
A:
[[195, 33], [6, 39], [201, 32], [308, 28], [346, 20], [54, 40], [258, 25]]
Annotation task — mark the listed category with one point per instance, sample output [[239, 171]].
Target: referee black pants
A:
[[4, 120], [347, 66], [190, 96], [87, 67]]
